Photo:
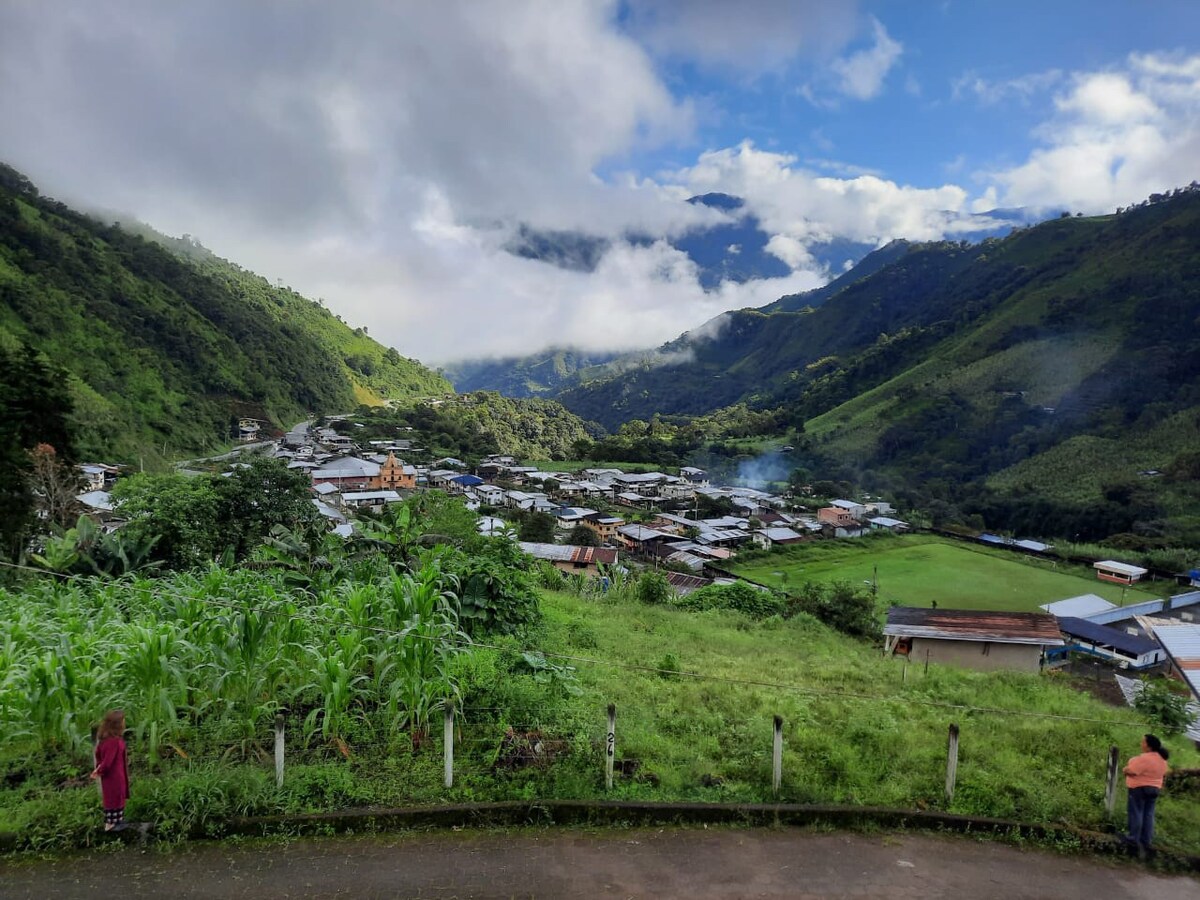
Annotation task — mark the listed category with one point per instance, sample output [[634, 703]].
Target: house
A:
[[248, 429], [696, 476], [977, 639], [886, 523], [1118, 572], [570, 559], [569, 516], [1130, 651], [880, 508], [396, 475], [97, 476], [778, 536], [856, 510], [449, 462], [490, 494], [348, 473], [639, 537], [460, 483], [835, 516], [604, 526], [369, 499]]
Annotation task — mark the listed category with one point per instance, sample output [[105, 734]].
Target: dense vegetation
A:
[[472, 426], [164, 343], [360, 665]]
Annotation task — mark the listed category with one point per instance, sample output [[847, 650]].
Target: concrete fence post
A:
[[610, 746], [951, 763], [448, 743], [777, 757], [1110, 786], [279, 750]]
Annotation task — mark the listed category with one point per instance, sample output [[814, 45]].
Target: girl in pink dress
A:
[[112, 769]]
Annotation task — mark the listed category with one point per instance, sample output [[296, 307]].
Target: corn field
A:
[[214, 656]]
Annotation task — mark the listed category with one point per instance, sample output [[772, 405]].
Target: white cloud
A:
[[1023, 88], [1115, 137], [861, 74], [802, 207], [751, 36]]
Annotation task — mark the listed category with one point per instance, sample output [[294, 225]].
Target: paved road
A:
[[694, 863]]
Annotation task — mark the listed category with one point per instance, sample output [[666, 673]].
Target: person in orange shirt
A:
[[1144, 779]]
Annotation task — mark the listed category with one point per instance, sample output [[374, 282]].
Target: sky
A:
[[381, 155]]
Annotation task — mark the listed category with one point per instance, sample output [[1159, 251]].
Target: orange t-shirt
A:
[[1146, 770]]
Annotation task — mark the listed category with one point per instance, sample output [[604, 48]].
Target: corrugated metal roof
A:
[[1182, 643], [685, 584], [974, 625], [1082, 606], [1111, 565], [570, 553], [1102, 634]]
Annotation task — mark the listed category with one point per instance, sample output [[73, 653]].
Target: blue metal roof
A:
[[1111, 637], [467, 480]]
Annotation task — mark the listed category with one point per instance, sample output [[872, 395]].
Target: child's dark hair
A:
[[1156, 745]]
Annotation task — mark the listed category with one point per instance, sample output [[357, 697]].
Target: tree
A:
[[254, 499], [537, 527], [181, 512], [55, 484], [35, 408], [583, 536], [653, 588]]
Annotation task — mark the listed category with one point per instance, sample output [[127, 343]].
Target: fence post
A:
[[448, 743], [777, 757], [610, 746], [951, 763], [1110, 787], [279, 750]]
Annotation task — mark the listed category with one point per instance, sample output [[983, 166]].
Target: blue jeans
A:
[[1141, 815]]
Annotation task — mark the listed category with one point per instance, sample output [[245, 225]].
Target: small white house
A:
[[1118, 572]]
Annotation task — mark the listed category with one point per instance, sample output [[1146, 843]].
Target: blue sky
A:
[[382, 156]]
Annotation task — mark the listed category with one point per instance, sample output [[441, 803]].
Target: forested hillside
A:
[[1047, 382], [164, 343]]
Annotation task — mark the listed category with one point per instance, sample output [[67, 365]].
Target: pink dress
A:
[[114, 772]]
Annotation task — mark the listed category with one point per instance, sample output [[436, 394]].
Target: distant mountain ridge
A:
[[166, 343]]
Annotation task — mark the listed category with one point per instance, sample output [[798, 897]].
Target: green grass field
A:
[[914, 570]]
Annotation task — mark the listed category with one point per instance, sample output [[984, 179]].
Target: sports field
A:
[[914, 570]]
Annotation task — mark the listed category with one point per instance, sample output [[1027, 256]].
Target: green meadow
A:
[[916, 570]]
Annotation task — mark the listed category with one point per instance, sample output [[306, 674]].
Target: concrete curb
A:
[[520, 813]]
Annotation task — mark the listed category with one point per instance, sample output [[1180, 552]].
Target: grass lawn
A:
[[914, 570]]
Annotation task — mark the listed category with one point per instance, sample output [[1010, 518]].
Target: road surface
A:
[[695, 863]]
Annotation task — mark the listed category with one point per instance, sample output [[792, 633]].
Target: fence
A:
[[483, 754]]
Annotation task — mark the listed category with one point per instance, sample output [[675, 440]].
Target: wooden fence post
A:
[[279, 750], [610, 746], [1110, 786], [777, 757], [951, 763], [448, 743]]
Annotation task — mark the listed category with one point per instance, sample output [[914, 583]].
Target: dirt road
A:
[[694, 863]]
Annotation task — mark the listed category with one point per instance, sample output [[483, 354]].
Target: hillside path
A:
[[695, 863]]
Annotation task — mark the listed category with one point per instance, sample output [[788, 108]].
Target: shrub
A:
[[1162, 706]]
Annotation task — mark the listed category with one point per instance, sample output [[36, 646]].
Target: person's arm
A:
[[105, 756]]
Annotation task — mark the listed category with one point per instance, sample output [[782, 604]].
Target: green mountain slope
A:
[[536, 375], [165, 343]]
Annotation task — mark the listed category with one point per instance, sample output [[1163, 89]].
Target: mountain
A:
[[1040, 380], [537, 375], [165, 343]]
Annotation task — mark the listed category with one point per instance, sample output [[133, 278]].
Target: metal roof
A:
[[685, 584], [1084, 605], [569, 553], [1121, 613], [1182, 643], [1132, 688], [780, 534], [973, 625], [1102, 634], [1111, 565]]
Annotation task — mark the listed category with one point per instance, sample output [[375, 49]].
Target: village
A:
[[651, 520]]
